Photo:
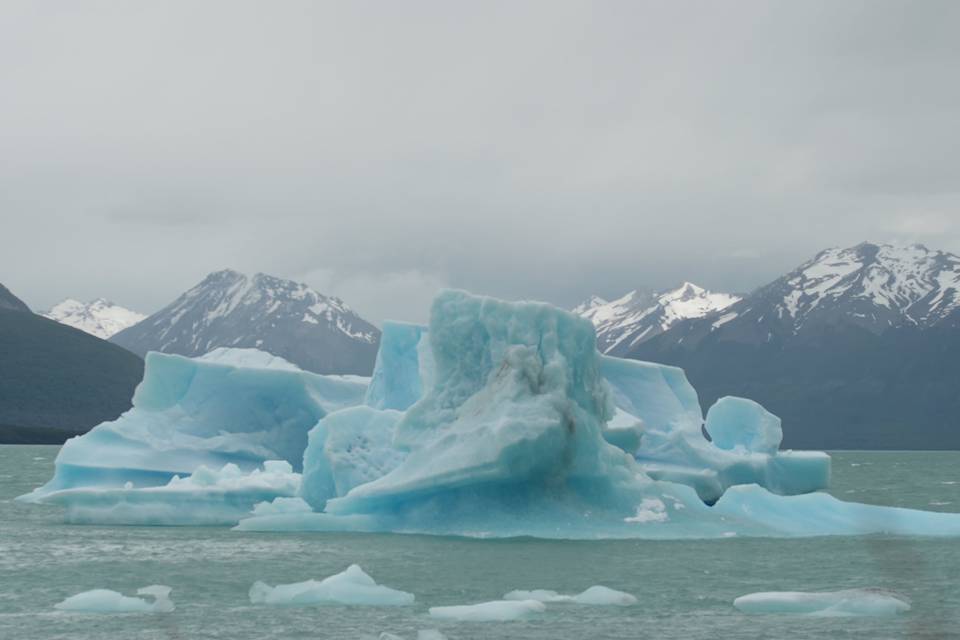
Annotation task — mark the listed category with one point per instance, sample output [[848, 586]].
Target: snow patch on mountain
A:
[[99, 317], [316, 332], [638, 316], [876, 284]]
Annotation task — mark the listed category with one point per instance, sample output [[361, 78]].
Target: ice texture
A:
[[347, 449], [495, 611], [595, 595], [738, 423], [848, 602], [403, 367], [206, 497], [238, 407], [108, 601], [350, 587]]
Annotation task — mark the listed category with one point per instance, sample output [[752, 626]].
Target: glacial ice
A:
[[495, 611], [499, 419], [848, 602], [350, 587], [237, 407], [595, 595], [403, 369], [108, 601], [346, 449], [206, 497], [672, 444]]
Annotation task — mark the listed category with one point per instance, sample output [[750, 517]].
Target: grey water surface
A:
[[685, 588]]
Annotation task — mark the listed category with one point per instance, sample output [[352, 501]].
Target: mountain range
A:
[[626, 322], [856, 348], [99, 317], [288, 319]]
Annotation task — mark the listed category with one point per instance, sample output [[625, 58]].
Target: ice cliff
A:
[[499, 419]]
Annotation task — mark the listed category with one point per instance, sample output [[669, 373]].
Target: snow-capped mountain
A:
[[638, 316], [229, 309], [99, 317], [872, 286], [858, 347]]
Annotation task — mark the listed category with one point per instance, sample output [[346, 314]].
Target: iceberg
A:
[[595, 595], [108, 601], [498, 419], [350, 587], [495, 611], [848, 602]]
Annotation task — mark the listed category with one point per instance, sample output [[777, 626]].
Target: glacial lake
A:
[[685, 588]]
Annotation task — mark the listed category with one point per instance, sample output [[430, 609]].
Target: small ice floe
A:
[[108, 601], [351, 587], [848, 602], [423, 634], [596, 595], [495, 611]]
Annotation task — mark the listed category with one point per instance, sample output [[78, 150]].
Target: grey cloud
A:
[[545, 150]]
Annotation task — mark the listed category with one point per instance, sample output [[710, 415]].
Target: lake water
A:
[[685, 588]]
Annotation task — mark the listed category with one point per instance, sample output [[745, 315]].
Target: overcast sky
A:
[[549, 150]]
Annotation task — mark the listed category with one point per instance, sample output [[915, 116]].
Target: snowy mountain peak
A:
[[877, 285], [588, 304], [99, 317], [638, 316], [286, 318]]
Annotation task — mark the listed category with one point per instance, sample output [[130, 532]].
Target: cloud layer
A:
[[542, 149]]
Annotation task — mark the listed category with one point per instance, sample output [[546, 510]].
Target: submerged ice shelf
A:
[[499, 419]]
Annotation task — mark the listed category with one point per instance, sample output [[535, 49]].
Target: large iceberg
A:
[[499, 419]]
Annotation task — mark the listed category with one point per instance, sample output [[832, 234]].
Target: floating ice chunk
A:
[[540, 595], [740, 423], [108, 601], [604, 596], [595, 595], [423, 634], [351, 587], [495, 611], [848, 602]]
